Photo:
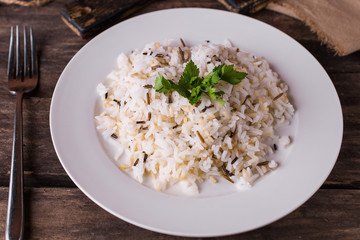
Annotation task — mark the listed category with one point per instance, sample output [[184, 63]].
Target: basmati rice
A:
[[173, 141]]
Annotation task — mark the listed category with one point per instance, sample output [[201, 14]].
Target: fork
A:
[[22, 78]]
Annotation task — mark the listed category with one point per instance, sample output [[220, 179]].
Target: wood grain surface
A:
[[88, 18], [57, 209]]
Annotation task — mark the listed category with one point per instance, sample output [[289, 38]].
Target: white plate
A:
[[317, 130]]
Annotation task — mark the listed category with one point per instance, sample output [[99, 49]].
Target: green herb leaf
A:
[[190, 75], [195, 95], [181, 90], [191, 86], [228, 74], [211, 79], [163, 85], [214, 95]]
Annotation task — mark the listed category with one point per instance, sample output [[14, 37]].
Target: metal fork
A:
[[22, 78]]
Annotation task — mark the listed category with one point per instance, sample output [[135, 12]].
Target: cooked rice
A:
[[173, 141]]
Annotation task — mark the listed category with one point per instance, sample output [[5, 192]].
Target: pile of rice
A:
[[172, 141]]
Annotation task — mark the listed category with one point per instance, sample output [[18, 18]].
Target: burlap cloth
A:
[[336, 22], [26, 3]]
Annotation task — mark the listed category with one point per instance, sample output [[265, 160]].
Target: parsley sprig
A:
[[191, 86]]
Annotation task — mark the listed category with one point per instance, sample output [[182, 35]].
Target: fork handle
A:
[[15, 212]]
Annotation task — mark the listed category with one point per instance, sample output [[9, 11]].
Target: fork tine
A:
[[34, 66], [26, 67], [17, 51], [10, 72]]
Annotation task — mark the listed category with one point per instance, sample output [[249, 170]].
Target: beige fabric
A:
[[26, 2], [336, 22]]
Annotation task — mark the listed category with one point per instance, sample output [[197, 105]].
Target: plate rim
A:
[[51, 116]]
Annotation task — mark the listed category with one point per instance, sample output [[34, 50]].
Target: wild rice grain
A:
[[182, 42], [278, 96], [234, 160], [145, 156], [181, 55], [200, 137], [148, 98]]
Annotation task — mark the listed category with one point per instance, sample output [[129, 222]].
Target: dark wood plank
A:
[[90, 17], [348, 89], [41, 164], [54, 213]]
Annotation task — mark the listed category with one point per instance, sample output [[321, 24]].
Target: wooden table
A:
[[57, 209]]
